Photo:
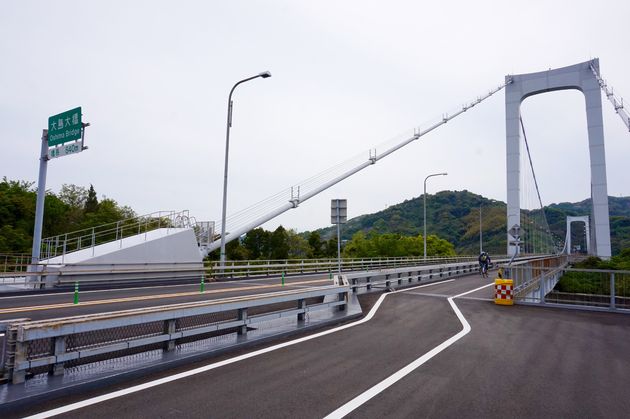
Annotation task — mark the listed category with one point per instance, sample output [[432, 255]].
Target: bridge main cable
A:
[[618, 104], [295, 201]]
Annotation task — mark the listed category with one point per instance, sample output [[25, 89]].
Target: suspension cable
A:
[[531, 165], [618, 104]]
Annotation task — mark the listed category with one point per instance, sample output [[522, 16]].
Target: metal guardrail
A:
[[397, 277], [63, 274], [250, 268], [50, 345]]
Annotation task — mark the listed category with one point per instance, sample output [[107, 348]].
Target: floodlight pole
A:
[[425, 210], [263, 75]]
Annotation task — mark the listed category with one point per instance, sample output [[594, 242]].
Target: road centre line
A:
[[205, 368], [400, 374], [149, 297]]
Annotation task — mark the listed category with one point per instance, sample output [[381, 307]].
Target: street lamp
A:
[[425, 210], [264, 75]]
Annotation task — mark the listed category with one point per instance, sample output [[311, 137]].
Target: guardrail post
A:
[[242, 315], [19, 355], [169, 328], [343, 296], [354, 282], [60, 349], [612, 291], [367, 281], [301, 306], [387, 281], [543, 287]]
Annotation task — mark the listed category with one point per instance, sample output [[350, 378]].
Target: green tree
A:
[[91, 201], [330, 247], [439, 247], [74, 196], [298, 246], [278, 245], [234, 250], [256, 242], [315, 244]]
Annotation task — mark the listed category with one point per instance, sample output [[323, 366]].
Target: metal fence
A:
[[592, 288], [88, 238], [34, 347], [49, 275], [398, 277], [12, 263], [553, 281], [250, 268]]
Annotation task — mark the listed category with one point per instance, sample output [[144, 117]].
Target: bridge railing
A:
[[553, 281], [592, 289], [534, 275], [252, 268], [35, 347], [398, 277], [87, 238], [16, 262]]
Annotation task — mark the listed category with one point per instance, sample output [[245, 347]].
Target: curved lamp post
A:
[[264, 75], [425, 210]]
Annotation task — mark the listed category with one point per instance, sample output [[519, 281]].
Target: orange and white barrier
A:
[[503, 292]]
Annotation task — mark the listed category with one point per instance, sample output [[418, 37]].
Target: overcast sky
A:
[[153, 79]]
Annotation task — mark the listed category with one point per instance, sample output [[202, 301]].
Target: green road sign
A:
[[64, 127]]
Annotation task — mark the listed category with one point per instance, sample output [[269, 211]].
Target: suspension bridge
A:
[[534, 233], [413, 332]]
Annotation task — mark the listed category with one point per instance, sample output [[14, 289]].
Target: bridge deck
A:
[[516, 361]]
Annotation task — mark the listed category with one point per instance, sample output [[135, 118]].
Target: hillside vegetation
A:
[[73, 208], [452, 225], [454, 216]]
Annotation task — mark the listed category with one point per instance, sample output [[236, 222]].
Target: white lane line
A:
[[400, 374], [154, 383]]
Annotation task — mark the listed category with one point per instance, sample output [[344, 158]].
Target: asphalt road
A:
[[46, 306], [516, 361]]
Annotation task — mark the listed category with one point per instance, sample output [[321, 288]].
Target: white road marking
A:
[[400, 374], [164, 380]]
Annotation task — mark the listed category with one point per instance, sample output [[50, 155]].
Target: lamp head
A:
[[265, 74]]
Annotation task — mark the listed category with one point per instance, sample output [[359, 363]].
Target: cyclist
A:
[[484, 263]]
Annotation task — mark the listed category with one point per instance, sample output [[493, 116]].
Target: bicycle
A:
[[483, 270]]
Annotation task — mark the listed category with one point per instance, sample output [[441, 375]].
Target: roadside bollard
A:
[[202, 285], [503, 292], [283, 278], [76, 292]]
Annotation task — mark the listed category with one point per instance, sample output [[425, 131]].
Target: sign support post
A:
[[65, 135], [39, 208], [338, 215]]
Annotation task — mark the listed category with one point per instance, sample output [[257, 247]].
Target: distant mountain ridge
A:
[[454, 216]]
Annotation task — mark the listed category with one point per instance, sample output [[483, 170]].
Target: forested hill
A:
[[454, 216]]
